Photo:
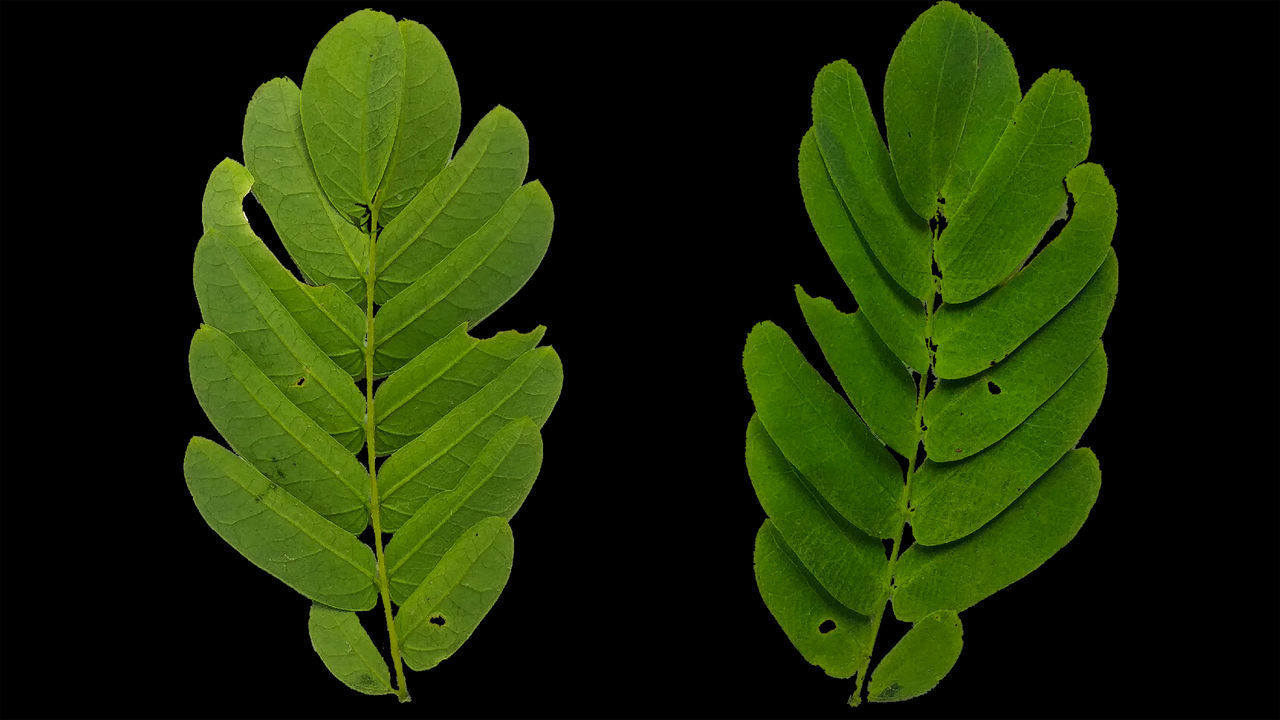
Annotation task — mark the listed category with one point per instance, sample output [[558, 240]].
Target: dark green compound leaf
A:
[[966, 342], [920, 659], [403, 247]]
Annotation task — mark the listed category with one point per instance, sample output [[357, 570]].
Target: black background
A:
[[667, 136]]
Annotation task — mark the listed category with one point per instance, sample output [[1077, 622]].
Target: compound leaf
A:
[[446, 608], [920, 659], [346, 649], [276, 531], [973, 363], [402, 249]]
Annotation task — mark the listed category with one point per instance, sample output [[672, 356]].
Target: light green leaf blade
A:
[[820, 434], [849, 139], [846, 562], [325, 246], [346, 649], [234, 299], [950, 90], [351, 97], [467, 286], [920, 659], [430, 116], [964, 417], [958, 575], [444, 611], [496, 485], [487, 170], [878, 385], [897, 317], [973, 336], [326, 314], [271, 433], [1019, 192], [440, 378], [951, 500], [276, 531], [825, 632], [436, 461]]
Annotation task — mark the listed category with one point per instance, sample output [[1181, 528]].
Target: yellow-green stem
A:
[[375, 515]]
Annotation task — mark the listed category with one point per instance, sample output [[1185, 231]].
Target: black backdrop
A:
[[666, 135]]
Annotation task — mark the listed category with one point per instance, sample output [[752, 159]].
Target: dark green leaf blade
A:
[[858, 162], [997, 227], [487, 170], [435, 461], [950, 90], [440, 378], [920, 659], [324, 245], [271, 433], [498, 481], [878, 385], [475, 279], [234, 299], [958, 575], [973, 336], [821, 435], [351, 98], [897, 317], [846, 562], [346, 649], [276, 531], [951, 500], [825, 632], [444, 611], [966, 416], [430, 116], [328, 316]]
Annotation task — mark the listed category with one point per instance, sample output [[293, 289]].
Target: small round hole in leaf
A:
[[827, 626]]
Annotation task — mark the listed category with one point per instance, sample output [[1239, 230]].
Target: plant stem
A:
[[402, 691], [903, 505]]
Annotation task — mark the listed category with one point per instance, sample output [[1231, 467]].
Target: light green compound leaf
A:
[[400, 249], [496, 485], [820, 434], [949, 92], [973, 361], [436, 460], [976, 335], [276, 532], [443, 612], [352, 93], [325, 246], [876, 382], [958, 575], [442, 377], [481, 274], [898, 318], [346, 649], [1019, 192], [430, 116], [858, 162], [326, 314], [484, 174], [846, 562], [273, 434], [920, 659], [825, 632]]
